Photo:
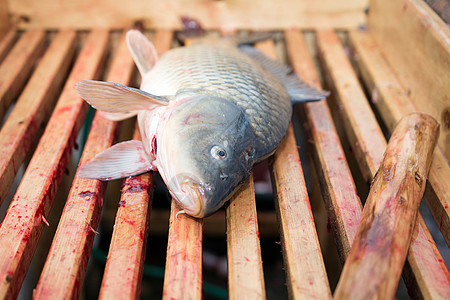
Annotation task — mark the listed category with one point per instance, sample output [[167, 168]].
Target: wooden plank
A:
[[392, 101], [244, 250], [25, 218], [409, 31], [17, 66], [258, 14], [125, 263], [4, 18], [305, 269], [183, 272], [64, 269], [34, 106], [375, 262], [183, 275], [7, 42], [425, 262], [336, 180]]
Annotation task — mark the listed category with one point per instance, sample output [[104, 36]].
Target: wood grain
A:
[[6, 42], [17, 66], [183, 275], [409, 31], [305, 269], [369, 147], [34, 106], [374, 264], [338, 188], [25, 218], [64, 269], [244, 250], [125, 262], [4, 18], [257, 14], [393, 102]]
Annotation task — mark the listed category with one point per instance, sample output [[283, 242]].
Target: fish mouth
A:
[[190, 195]]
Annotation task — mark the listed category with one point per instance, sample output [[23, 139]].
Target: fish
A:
[[207, 113]]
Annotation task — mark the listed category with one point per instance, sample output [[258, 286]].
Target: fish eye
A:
[[218, 152]]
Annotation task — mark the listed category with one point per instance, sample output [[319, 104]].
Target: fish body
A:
[[206, 113]]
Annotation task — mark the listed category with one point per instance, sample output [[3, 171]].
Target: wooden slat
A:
[[338, 188], [125, 263], [183, 275], [124, 266], [258, 14], [369, 144], [183, 271], [4, 18], [416, 43], [17, 66], [34, 106], [392, 101], [303, 259], [25, 218], [6, 42], [244, 250], [66, 263], [375, 262]]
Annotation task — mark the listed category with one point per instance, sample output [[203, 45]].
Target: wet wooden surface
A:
[[17, 66], [244, 251], [338, 188], [21, 228], [425, 272], [392, 100], [66, 264], [305, 268], [34, 106], [426, 262], [412, 27], [125, 262], [375, 262]]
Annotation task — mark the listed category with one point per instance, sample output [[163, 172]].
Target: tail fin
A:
[[142, 50]]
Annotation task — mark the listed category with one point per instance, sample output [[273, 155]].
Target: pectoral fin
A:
[[121, 160], [116, 98]]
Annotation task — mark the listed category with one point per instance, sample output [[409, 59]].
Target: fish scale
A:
[[225, 71]]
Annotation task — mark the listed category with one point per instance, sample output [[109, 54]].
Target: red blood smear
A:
[[86, 194]]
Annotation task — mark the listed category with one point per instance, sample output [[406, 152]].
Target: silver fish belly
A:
[[207, 113]]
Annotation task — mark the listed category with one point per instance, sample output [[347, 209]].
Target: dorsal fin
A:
[[298, 90], [142, 50]]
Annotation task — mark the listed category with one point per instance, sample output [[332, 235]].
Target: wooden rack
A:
[[401, 61]]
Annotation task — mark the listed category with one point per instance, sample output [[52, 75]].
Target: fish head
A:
[[204, 152]]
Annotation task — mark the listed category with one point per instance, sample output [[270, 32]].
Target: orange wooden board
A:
[[25, 219]]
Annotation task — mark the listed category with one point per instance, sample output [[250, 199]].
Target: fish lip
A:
[[190, 196]]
